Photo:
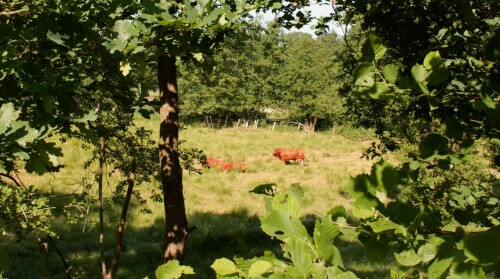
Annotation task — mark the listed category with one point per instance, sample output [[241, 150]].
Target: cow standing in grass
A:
[[224, 166], [289, 154]]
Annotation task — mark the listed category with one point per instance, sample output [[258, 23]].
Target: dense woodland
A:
[[424, 75]]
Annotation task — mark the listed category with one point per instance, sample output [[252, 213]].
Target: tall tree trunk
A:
[[176, 230]]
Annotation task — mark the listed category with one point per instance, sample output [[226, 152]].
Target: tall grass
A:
[[218, 204]]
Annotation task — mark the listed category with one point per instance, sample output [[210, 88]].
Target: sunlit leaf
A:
[[407, 258], [224, 267], [172, 270], [56, 37], [391, 73], [363, 76], [258, 268]]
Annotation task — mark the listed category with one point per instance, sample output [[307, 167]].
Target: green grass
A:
[[219, 204]]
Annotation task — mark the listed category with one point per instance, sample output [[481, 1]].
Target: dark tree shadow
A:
[[229, 235]]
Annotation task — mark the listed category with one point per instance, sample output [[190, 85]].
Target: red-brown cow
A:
[[289, 154], [211, 162], [226, 167]]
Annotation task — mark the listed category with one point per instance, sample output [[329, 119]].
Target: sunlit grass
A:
[[218, 204]]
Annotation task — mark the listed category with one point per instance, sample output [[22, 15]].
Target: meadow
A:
[[219, 204]]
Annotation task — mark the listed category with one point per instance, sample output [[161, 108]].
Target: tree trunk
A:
[[176, 230]]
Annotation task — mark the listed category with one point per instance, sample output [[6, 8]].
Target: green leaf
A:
[[383, 224], [334, 272], [282, 225], [363, 75], [418, 76], [483, 247], [429, 251], [258, 268], [386, 176], [56, 37], [7, 115], [443, 259], [172, 270], [432, 60], [487, 100], [391, 73], [337, 211], [433, 144], [466, 271], [373, 49], [324, 234], [407, 258], [301, 255], [224, 267], [437, 71]]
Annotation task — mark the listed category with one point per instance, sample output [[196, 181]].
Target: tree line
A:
[[263, 73]]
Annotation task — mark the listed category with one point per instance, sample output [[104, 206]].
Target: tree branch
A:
[[13, 12], [101, 209], [121, 226], [11, 178]]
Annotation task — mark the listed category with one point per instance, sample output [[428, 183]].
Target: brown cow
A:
[[226, 167], [211, 162], [289, 154]]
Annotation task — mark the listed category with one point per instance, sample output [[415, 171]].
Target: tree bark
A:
[[176, 230]]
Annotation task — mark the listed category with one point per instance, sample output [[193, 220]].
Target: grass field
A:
[[218, 204]]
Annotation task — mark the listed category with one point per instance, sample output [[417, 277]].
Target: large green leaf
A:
[[483, 247], [324, 234], [391, 73], [407, 258], [466, 271], [433, 144], [258, 268], [172, 270], [363, 75], [224, 267], [385, 175], [282, 225], [373, 49], [443, 259], [418, 76], [384, 224], [437, 71], [429, 251], [301, 255]]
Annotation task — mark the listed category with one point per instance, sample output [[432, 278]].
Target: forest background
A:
[[422, 76]]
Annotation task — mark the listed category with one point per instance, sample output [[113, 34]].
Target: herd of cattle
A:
[[284, 154]]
